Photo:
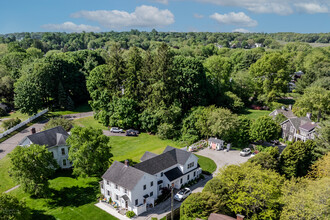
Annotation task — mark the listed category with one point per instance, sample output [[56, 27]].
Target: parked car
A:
[[182, 194], [131, 132], [276, 142], [116, 130], [136, 131], [245, 152]]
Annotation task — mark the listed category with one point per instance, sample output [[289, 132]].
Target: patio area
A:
[[116, 212]]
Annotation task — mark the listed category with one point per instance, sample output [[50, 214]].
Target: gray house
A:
[[55, 141], [287, 112], [301, 128]]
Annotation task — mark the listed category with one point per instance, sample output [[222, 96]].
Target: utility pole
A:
[[172, 217]]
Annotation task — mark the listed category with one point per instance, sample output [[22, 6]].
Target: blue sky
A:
[[303, 16]]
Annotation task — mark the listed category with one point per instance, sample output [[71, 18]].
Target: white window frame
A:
[[284, 126]]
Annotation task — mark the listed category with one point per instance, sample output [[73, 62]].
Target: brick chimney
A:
[[33, 130], [240, 217], [126, 163]]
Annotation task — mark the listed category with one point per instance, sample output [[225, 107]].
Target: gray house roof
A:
[[51, 137], [147, 155], [168, 158], [124, 176], [308, 126], [173, 174], [297, 122], [286, 112], [181, 156]]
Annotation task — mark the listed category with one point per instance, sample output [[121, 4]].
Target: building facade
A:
[[137, 187], [55, 141]]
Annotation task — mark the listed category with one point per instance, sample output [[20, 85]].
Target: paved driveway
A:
[[223, 158], [8, 145]]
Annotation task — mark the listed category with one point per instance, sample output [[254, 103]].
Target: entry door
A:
[[126, 204]]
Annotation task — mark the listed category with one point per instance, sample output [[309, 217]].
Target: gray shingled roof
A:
[[124, 176], [168, 158], [51, 137], [147, 155], [287, 113], [180, 155], [308, 126], [297, 122], [215, 140]]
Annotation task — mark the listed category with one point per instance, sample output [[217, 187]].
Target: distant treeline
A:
[[78, 41]]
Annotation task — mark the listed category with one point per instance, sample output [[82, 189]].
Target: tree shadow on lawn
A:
[[39, 214], [74, 196]]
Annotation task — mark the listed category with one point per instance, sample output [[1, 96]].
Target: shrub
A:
[[10, 123], [54, 122], [154, 218], [3, 112], [130, 214], [166, 131]]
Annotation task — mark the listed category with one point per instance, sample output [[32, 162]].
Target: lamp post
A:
[[172, 187]]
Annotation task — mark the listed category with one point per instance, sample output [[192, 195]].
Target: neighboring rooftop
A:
[[216, 216], [308, 126], [51, 137], [287, 112], [297, 122], [216, 140], [147, 155], [122, 175], [170, 157]]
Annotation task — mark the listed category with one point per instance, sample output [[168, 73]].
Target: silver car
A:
[[182, 194], [245, 152], [116, 130]]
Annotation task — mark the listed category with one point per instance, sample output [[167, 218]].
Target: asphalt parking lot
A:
[[223, 158]]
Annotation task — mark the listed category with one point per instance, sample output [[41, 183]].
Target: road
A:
[[8, 145]]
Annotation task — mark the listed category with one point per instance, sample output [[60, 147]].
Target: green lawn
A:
[[16, 114], [89, 121], [254, 114], [70, 198], [5, 180], [79, 109], [206, 164]]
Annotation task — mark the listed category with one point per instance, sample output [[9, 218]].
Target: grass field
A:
[[5, 180], [89, 121], [78, 109], [70, 198], [16, 114], [206, 164], [254, 114]]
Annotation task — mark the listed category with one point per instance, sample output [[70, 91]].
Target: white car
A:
[[245, 152], [116, 130], [182, 194]]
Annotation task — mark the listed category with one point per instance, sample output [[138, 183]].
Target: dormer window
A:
[[190, 165]]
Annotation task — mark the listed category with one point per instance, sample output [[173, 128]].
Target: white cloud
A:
[[165, 2], [241, 30], [282, 7], [232, 18], [196, 15], [258, 6], [71, 27], [311, 8], [143, 16]]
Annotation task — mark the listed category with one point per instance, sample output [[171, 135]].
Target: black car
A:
[[131, 132]]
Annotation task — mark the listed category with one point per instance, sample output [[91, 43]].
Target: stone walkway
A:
[[111, 211], [9, 190]]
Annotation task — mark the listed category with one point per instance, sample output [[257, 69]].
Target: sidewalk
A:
[[111, 211]]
